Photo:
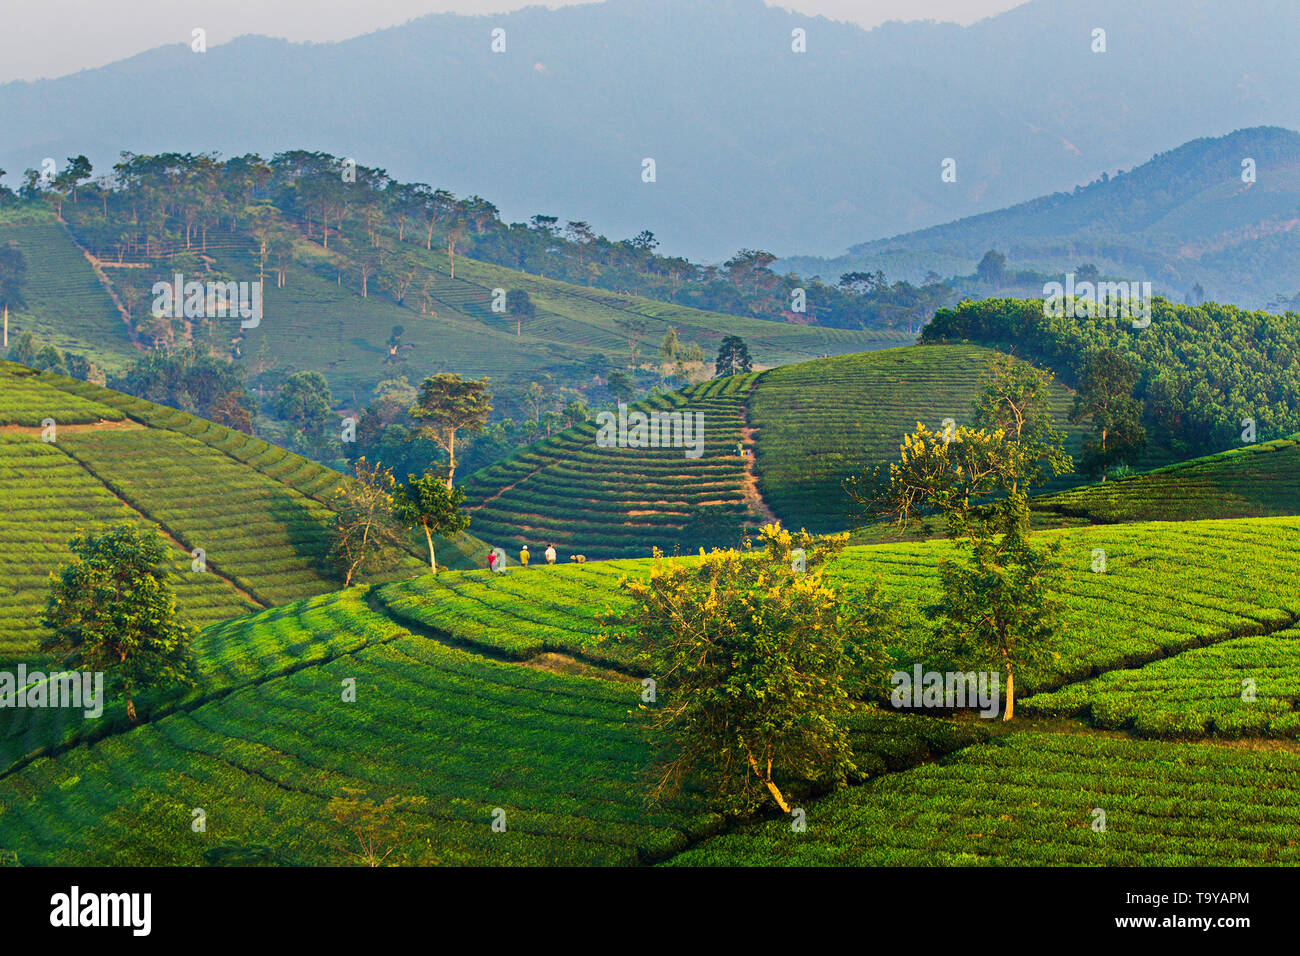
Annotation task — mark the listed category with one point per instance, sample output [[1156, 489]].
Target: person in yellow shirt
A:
[[523, 557]]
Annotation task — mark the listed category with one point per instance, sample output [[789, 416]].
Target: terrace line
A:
[[947, 689], [657, 430], [78, 690]]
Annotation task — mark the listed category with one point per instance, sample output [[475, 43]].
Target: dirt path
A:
[[749, 483]]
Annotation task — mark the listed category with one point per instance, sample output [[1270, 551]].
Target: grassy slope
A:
[[258, 512], [1254, 481], [613, 502], [66, 305], [818, 423], [315, 322], [473, 733], [815, 424]]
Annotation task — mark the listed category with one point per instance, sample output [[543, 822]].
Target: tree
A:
[[994, 605], [1015, 399], [520, 306], [449, 405], [427, 502], [620, 385], [1105, 397], [13, 269], [305, 401], [364, 533], [375, 833], [992, 268], [733, 356], [111, 610], [758, 661]]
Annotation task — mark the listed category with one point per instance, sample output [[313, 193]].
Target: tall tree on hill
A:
[[449, 405], [1015, 398], [305, 401], [454, 236], [1105, 398], [733, 357], [995, 609], [426, 502], [364, 534], [13, 269], [75, 172], [992, 268], [111, 610]]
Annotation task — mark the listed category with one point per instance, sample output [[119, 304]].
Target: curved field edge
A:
[[1045, 799]]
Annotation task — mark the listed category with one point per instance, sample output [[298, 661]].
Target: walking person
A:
[[492, 560], [523, 557], [550, 554]]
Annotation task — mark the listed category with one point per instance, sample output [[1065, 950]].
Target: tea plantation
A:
[[258, 513]]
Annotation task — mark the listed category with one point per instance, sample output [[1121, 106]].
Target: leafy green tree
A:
[[111, 609], [993, 267], [1105, 398], [364, 534], [620, 385], [13, 269], [995, 604], [733, 357], [1015, 399], [50, 359], [377, 833], [24, 350], [447, 406], [520, 306], [305, 400], [427, 503], [760, 661]]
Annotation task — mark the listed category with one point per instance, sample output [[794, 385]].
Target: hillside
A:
[[66, 304], [473, 693], [807, 428], [1182, 218], [1253, 481], [258, 512], [320, 320]]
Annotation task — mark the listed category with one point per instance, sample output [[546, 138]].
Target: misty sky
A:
[[49, 38]]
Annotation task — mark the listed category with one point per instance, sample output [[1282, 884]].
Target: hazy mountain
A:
[[1184, 218], [755, 145]]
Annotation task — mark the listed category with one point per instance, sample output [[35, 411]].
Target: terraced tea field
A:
[[257, 512], [615, 502], [818, 423], [1253, 481], [1248, 687], [66, 305], [464, 698], [1030, 799], [808, 427]]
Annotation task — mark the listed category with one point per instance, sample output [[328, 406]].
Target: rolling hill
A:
[[1252, 481], [318, 322], [807, 427], [258, 512], [1184, 217], [488, 694]]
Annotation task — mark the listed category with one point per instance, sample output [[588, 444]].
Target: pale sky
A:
[[49, 38]]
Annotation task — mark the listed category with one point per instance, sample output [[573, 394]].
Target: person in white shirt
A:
[[550, 554]]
